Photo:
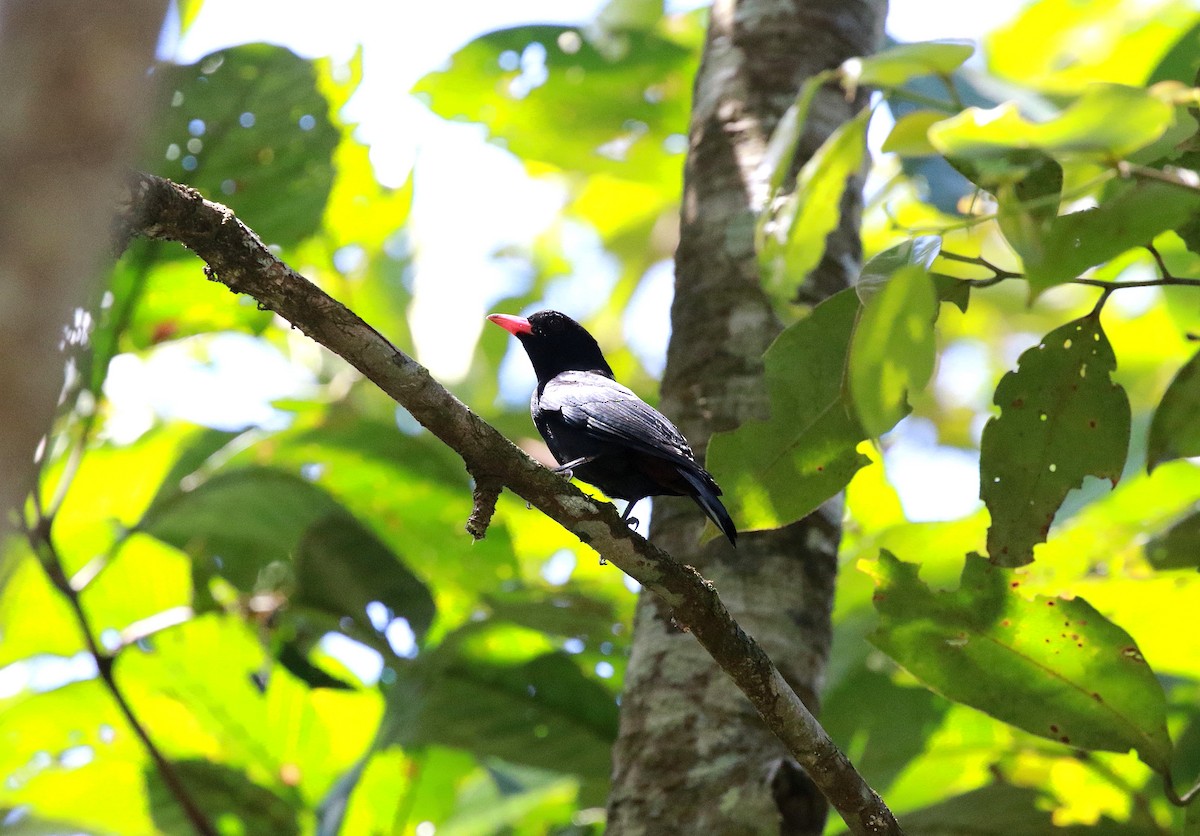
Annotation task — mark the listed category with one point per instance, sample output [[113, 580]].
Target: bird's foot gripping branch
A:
[[160, 209]]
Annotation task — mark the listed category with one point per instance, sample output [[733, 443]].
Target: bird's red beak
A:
[[512, 324]]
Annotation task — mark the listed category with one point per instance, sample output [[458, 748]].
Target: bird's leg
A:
[[567, 469]]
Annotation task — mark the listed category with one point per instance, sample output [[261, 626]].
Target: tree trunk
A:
[[75, 94], [692, 755]]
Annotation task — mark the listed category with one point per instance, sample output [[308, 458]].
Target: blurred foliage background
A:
[[273, 554]]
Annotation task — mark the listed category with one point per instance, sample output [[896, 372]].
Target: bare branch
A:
[[236, 257]]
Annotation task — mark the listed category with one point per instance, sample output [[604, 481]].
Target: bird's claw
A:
[[634, 522], [565, 472]]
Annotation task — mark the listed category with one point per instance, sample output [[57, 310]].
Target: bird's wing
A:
[[615, 414]]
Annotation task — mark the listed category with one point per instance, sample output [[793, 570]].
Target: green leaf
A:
[[910, 135], [1054, 667], [494, 690], [1061, 418], [273, 165], [1080, 240], [1107, 120], [225, 795], [208, 689], [1028, 208], [883, 725], [240, 523], [921, 251], [1178, 547], [1175, 430], [341, 567], [635, 89], [35, 618], [1002, 810], [791, 240], [893, 349], [895, 66], [777, 471]]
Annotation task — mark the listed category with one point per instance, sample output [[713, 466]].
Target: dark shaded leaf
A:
[[1061, 418], [1075, 242], [341, 567], [1003, 810], [226, 795], [1178, 547], [249, 126], [1175, 428]]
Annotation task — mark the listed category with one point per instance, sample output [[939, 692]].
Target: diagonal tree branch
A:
[[159, 209]]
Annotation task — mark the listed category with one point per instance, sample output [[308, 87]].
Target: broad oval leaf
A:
[[776, 471], [1054, 667], [1178, 547], [893, 349], [899, 64], [526, 84], [792, 238], [249, 125], [1061, 418], [1107, 120], [1175, 429]]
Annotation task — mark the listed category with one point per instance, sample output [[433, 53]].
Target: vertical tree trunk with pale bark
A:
[[76, 92], [693, 756]]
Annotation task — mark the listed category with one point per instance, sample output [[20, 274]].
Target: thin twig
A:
[[43, 545], [1182, 178]]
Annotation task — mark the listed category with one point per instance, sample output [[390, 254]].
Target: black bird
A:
[[600, 431]]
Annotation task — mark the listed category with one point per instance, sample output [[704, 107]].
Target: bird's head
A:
[[555, 343]]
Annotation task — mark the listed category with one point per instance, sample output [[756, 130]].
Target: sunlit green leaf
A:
[[893, 349], [1054, 667], [529, 84], [896, 65], [1175, 430], [1063, 45], [1107, 120], [910, 135], [791, 240], [34, 617], [1061, 419], [208, 689], [779, 470]]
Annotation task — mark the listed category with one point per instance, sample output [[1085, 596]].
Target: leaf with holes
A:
[[1175, 432], [1061, 418], [1054, 667]]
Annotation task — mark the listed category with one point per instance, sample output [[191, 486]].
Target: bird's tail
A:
[[705, 493]]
